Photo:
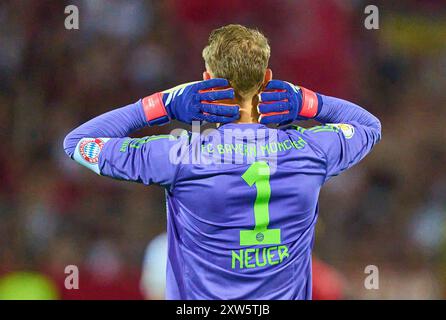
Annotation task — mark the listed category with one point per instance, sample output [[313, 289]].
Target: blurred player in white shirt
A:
[[153, 278]]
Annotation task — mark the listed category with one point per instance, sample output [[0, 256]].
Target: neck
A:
[[248, 110]]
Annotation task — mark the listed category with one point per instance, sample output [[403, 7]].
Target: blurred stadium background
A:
[[390, 211]]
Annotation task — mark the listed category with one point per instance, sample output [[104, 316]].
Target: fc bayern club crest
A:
[[90, 149]]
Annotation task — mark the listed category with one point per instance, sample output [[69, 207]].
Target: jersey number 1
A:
[[258, 173]]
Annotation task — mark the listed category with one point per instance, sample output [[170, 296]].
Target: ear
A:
[[268, 76], [206, 75]]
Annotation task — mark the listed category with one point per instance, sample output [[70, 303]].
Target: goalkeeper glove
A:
[[192, 101], [282, 102]]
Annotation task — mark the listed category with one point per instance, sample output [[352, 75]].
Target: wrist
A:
[[155, 112], [310, 103]]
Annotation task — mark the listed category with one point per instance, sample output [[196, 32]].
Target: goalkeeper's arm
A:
[[349, 133], [117, 123]]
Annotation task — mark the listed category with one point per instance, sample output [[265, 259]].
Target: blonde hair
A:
[[238, 54]]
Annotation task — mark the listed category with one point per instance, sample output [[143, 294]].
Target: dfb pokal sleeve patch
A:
[[347, 130]]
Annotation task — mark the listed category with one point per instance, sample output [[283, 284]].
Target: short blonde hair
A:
[[238, 54]]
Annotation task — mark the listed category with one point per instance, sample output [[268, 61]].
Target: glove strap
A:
[[154, 109], [309, 103]]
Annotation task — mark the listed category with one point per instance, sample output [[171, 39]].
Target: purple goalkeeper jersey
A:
[[242, 200]]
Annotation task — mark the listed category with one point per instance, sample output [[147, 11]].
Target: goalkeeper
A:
[[241, 215]]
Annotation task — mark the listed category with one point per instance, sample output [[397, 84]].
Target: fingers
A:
[[213, 83], [273, 107], [277, 84], [217, 95], [273, 118], [273, 96], [278, 103], [219, 119], [220, 110]]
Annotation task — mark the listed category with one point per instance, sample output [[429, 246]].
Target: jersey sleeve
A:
[[342, 145], [148, 160]]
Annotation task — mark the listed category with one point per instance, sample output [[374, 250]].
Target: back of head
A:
[[239, 54]]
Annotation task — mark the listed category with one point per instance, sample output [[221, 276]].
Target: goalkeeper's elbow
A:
[[377, 128], [69, 143]]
